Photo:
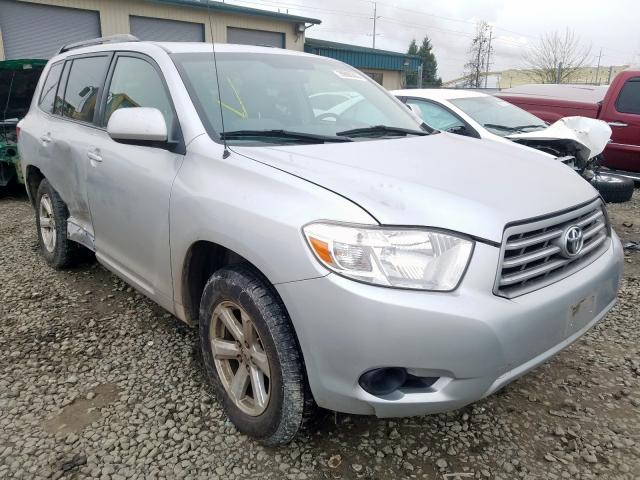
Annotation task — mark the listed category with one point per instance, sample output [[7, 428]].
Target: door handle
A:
[[618, 124], [46, 138], [94, 157]]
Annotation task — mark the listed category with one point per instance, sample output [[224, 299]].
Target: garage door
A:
[[160, 30], [38, 31], [245, 36]]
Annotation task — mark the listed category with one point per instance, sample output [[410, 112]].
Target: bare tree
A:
[[556, 57], [479, 54]]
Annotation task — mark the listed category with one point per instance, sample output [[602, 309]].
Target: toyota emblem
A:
[[572, 241]]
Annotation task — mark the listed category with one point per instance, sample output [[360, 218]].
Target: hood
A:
[[582, 137], [18, 81], [442, 180]]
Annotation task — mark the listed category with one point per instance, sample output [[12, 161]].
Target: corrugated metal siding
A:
[[245, 36], [365, 59], [162, 30], [114, 18], [38, 31]]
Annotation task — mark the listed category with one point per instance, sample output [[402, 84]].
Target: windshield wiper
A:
[[276, 134], [381, 130], [519, 128]]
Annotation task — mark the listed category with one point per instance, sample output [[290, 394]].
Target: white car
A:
[[576, 141]]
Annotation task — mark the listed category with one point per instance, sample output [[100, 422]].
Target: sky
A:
[[610, 25]]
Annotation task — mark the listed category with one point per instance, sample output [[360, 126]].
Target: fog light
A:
[[382, 381]]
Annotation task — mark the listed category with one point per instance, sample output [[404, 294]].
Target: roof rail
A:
[[120, 38]]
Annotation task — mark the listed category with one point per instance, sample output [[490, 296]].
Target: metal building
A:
[[389, 69], [37, 28]]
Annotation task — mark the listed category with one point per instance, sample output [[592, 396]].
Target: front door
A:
[[130, 185], [623, 115]]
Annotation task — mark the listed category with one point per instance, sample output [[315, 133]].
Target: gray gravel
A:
[[96, 381]]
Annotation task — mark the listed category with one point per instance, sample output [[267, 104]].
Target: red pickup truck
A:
[[618, 105]]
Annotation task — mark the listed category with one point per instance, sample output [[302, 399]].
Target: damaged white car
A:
[[576, 141]]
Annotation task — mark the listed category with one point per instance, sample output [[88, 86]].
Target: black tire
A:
[[64, 251], [290, 401], [613, 188]]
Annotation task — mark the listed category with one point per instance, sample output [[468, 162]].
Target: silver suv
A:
[[349, 258]]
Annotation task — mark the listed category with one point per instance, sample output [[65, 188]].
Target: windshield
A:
[[287, 93], [498, 116]]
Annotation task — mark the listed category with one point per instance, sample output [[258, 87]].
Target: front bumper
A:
[[474, 341]]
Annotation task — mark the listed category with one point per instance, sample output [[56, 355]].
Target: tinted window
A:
[[49, 88], [629, 98], [136, 83], [436, 116], [81, 93]]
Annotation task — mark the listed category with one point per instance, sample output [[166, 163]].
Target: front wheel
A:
[[251, 356], [613, 188]]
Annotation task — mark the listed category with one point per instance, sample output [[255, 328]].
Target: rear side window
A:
[[83, 87], [136, 83], [629, 98], [48, 94]]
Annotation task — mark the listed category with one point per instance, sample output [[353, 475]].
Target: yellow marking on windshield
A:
[[241, 113]]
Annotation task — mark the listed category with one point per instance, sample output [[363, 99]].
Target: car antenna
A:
[[226, 152]]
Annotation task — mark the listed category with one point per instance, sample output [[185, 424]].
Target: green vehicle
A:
[[18, 80]]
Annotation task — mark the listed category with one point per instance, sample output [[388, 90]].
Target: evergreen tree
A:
[[429, 64]]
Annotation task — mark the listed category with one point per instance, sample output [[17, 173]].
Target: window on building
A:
[[48, 94], [136, 83], [83, 86], [629, 98], [377, 76]]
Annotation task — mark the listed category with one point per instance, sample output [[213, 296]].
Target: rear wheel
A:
[[51, 222], [613, 188], [251, 356]]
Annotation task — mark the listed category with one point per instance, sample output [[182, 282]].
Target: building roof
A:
[[362, 57], [215, 6]]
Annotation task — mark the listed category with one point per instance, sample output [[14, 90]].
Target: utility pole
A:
[[598, 69], [486, 75], [610, 72], [375, 19]]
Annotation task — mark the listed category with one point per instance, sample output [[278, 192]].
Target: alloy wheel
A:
[[47, 223], [240, 359]]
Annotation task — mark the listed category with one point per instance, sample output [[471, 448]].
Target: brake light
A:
[[17, 132]]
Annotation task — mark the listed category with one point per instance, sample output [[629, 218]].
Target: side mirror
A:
[[138, 126]]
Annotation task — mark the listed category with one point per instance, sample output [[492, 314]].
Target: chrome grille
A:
[[532, 254]]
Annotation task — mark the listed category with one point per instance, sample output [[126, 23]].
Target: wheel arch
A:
[[32, 181], [202, 260]]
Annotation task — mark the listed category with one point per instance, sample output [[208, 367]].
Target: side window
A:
[[436, 116], [136, 83], [83, 87], [629, 97], [59, 101], [48, 94]]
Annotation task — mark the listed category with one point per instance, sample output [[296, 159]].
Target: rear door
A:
[[130, 185], [72, 130], [623, 115]]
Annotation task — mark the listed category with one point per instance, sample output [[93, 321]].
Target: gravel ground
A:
[[96, 381]]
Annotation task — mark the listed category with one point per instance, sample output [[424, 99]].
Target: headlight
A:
[[396, 257]]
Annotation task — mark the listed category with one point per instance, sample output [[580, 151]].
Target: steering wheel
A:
[[327, 115]]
